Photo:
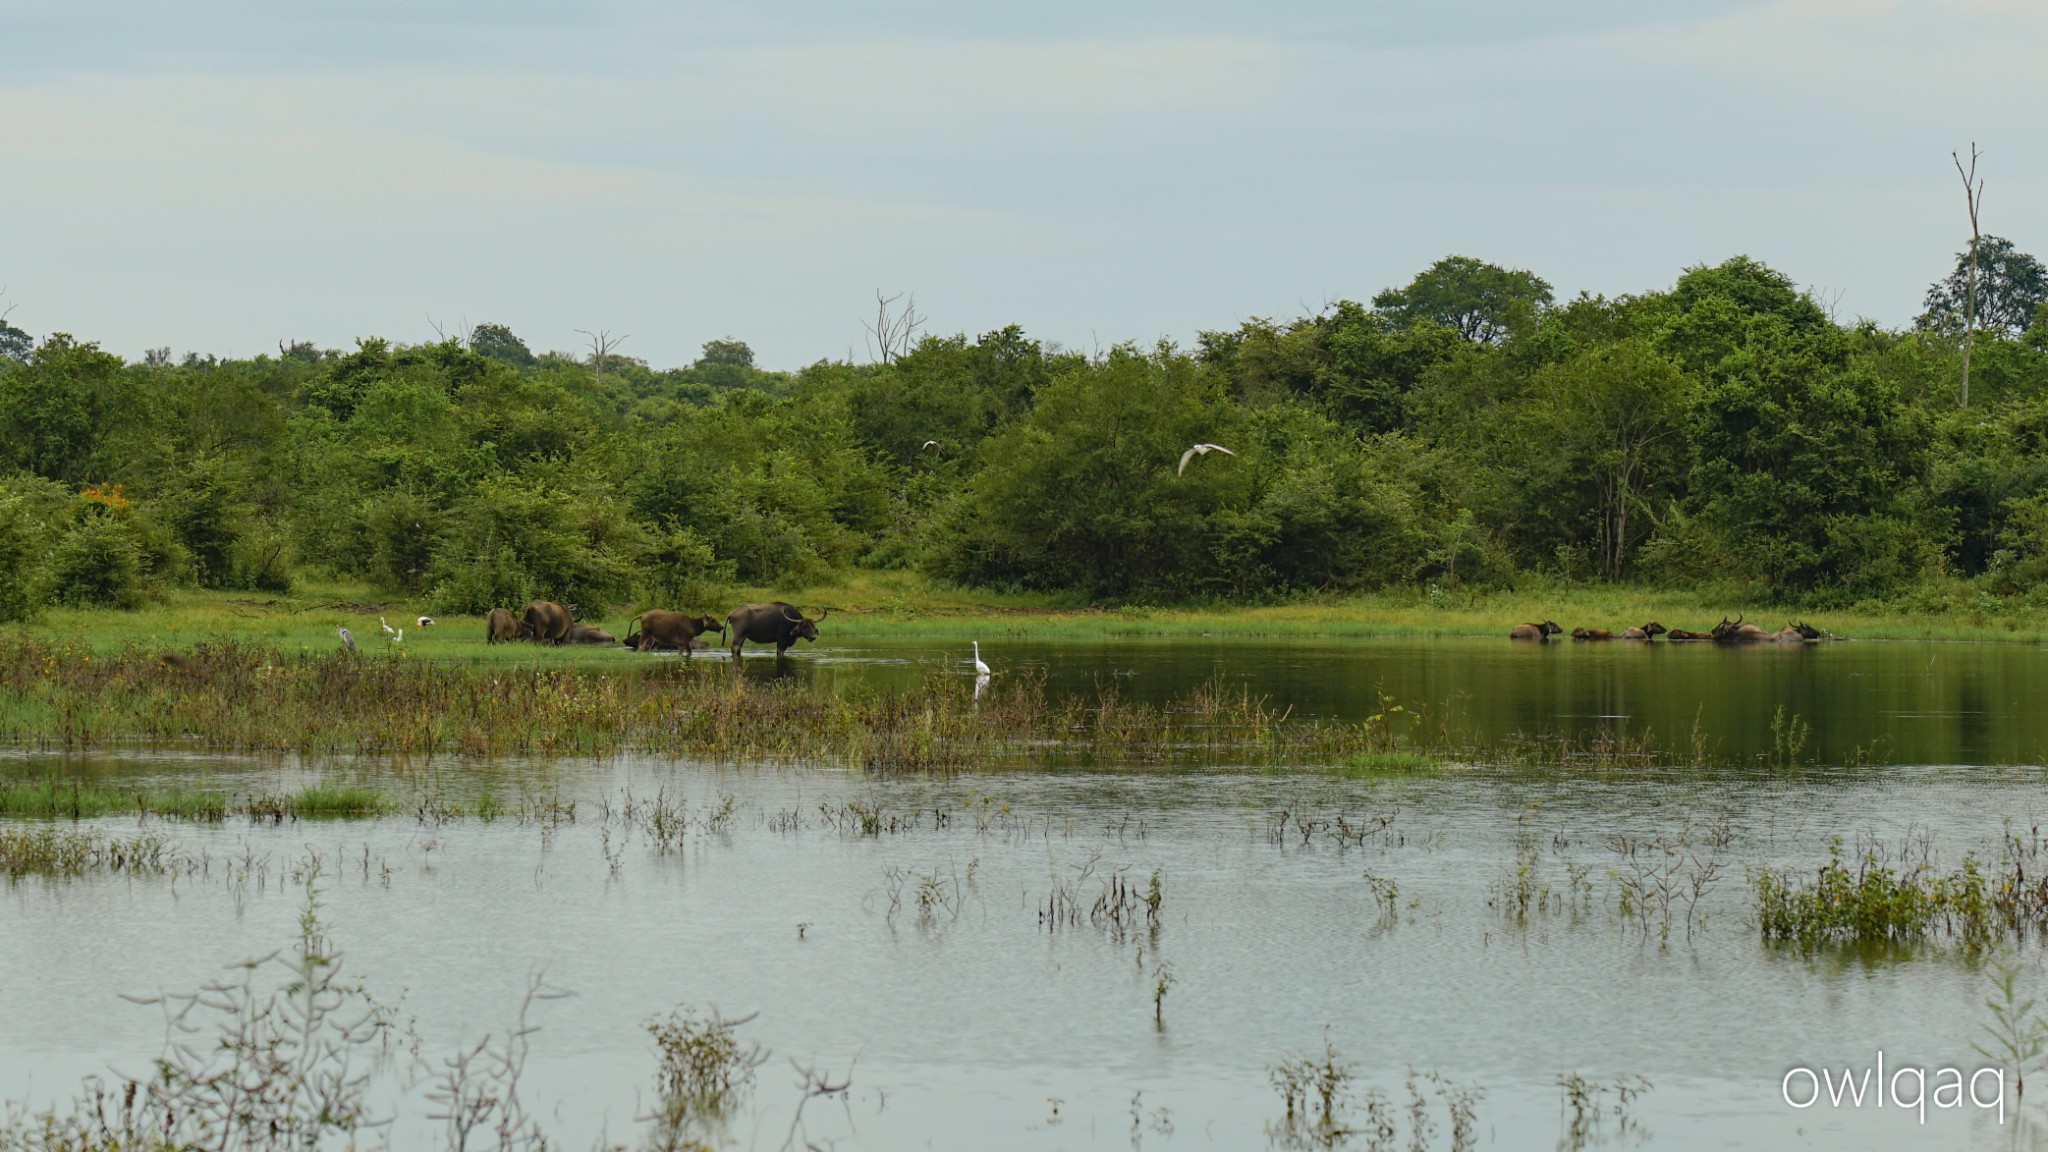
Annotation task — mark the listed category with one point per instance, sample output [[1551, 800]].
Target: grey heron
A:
[[348, 639], [1200, 450]]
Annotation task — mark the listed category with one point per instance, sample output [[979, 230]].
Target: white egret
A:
[[980, 669], [1200, 450], [928, 444], [384, 624], [348, 639]]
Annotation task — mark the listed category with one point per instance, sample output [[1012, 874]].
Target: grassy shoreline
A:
[[869, 606]]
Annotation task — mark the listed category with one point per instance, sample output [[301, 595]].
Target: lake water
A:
[[972, 1024]]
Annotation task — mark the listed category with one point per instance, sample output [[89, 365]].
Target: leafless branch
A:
[[1973, 199], [894, 331]]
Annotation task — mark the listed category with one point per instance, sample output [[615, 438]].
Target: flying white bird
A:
[[384, 624], [426, 621], [928, 444], [348, 639], [980, 669], [1200, 450]]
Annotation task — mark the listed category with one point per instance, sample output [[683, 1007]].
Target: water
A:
[[962, 1026]]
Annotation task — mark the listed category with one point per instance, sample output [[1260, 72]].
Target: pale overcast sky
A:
[[217, 176]]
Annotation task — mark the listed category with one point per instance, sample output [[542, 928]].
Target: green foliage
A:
[[1463, 430], [98, 562], [1477, 300], [2010, 287]]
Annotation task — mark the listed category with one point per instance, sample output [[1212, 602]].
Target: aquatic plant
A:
[[1583, 1110], [59, 852], [1320, 1097], [1883, 898], [2016, 1036]]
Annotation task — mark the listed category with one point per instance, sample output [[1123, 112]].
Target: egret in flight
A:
[[1200, 450], [928, 444]]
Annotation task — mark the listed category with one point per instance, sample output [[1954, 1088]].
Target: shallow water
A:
[[963, 1025]]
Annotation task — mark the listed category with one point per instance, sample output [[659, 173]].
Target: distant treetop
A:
[[2011, 286], [497, 342], [1471, 297]]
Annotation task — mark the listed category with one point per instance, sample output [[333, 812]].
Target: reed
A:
[[55, 798], [1882, 896]]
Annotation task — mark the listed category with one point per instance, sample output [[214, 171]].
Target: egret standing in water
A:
[[980, 669], [348, 639], [1200, 450]]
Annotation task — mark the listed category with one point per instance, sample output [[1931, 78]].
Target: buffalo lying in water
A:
[[1736, 632], [588, 634], [1543, 631], [1649, 631], [777, 623], [660, 628], [1591, 634]]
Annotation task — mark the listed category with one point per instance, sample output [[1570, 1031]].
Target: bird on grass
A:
[[384, 624], [980, 669], [348, 639], [426, 621], [1200, 450]]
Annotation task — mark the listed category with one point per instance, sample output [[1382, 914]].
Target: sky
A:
[[217, 177]]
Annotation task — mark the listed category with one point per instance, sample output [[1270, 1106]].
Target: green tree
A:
[[52, 409], [2011, 287], [497, 342], [1477, 300]]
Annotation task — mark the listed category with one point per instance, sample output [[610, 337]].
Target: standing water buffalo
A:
[[1649, 631], [778, 624], [500, 624], [548, 622], [1543, 631], [659, 628], [589, 634]]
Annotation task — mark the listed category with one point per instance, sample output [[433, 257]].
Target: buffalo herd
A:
[[657, 629], [1726, 632]]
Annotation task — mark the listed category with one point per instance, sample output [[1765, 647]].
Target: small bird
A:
[[348, 639], [426, 621], [980, 669], [1200, 450], [928, 444], [384, 624]]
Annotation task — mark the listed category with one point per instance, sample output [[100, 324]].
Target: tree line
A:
[[1463, 430]]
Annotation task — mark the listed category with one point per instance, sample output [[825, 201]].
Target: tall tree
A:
[[1472, 297], [2009, 287]]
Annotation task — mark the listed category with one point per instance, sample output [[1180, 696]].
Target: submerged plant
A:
[[2016, 1036]]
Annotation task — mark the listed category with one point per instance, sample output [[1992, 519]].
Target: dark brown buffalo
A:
[[1591, 634], [1543, 631], [1736, 632], [548, 622], [1682, 634], [778, 624], [589, 634], [1649, 631], [659, 628], [1798, 633], [501, 624]]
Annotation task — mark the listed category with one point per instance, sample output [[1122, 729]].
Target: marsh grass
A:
[[54, 798], [65, 852], [1878, 894]]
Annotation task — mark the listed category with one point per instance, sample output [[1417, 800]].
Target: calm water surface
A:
[[965, 1026]]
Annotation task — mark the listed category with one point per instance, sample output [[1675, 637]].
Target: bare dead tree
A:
[[602, 343], [895, 330], [1973, 198]]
